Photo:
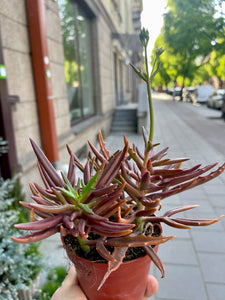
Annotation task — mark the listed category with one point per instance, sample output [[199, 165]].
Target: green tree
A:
[[191, 31], [163, 78]]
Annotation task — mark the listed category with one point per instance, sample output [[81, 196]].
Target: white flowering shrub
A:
[[19, 263]]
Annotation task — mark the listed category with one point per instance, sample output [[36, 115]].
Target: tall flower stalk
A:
[[148, 77]]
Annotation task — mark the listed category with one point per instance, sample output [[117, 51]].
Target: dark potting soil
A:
[[93, 255]]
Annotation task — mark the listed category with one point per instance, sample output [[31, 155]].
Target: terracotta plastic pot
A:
[[128, 282]]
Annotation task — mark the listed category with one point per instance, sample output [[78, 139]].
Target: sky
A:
[[152, 18]]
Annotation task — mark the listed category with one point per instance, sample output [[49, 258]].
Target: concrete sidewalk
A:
[[195, 260]]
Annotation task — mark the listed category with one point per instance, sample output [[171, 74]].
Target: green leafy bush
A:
[[19, 264], [55, 278]]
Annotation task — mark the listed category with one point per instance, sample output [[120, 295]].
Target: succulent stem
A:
[[148, 83], [82, 244]]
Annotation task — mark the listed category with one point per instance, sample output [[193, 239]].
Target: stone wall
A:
[[16, 52]]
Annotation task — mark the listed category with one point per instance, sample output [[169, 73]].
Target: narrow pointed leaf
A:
[[41, 224], [155, 258], [36, 236], [139, 73], [100, 247], [71, 174], [46, 164], [53, 209], [137, 241], [102, 144], [112, 168], [179, 209], [96, 152], [203, 222], [118, 254], [76, 160]]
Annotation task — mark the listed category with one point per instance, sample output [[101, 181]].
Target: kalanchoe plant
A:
[[116, 204]]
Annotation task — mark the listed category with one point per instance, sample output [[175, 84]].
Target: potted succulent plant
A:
[[109, 219]]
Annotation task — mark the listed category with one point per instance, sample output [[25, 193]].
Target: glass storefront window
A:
[[77, 52]]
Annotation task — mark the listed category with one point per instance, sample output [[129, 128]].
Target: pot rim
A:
[[105, 263]]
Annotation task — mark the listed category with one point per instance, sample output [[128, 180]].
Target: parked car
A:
[[174, 91], [216, 100], [204, 92]]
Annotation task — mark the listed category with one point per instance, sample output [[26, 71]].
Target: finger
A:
[[71, 277], [151, 288]]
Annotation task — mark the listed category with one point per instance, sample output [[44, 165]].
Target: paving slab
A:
[[208, 241], [178, 251], [181, 282], [216, 291], [213, 267]]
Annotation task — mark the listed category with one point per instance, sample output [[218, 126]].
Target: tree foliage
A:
[[192, 31]]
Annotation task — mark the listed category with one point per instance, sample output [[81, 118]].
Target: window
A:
[[76, 26]]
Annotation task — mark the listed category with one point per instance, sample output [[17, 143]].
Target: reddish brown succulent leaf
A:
[[155, 258], [168, 162], [42, 201], [112, 168], [104, 191], [147, 185], [136, 158], [168, 221], [39, 213], [98, 155], [46, 179], [102, 144], [189, 174], [113, 209], [177, 189], [178, 210], [167, 173], [137, 241], [50, 170], [111, 229], [53, 209], [71, 174], [146, 212], [100, 247], [87, 173], [44, 192], [41, 224], [159, 155], [81, 228], [107, 200], [76, 160], [128, 177], [35, 236], [118, 255], [203, 222], [203, 179]]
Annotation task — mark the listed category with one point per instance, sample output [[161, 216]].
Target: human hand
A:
[[71, 290], [151, 288]]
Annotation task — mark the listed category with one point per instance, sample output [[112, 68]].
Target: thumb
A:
[[151, 288]]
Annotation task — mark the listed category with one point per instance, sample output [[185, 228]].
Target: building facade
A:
[[64, 67]]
